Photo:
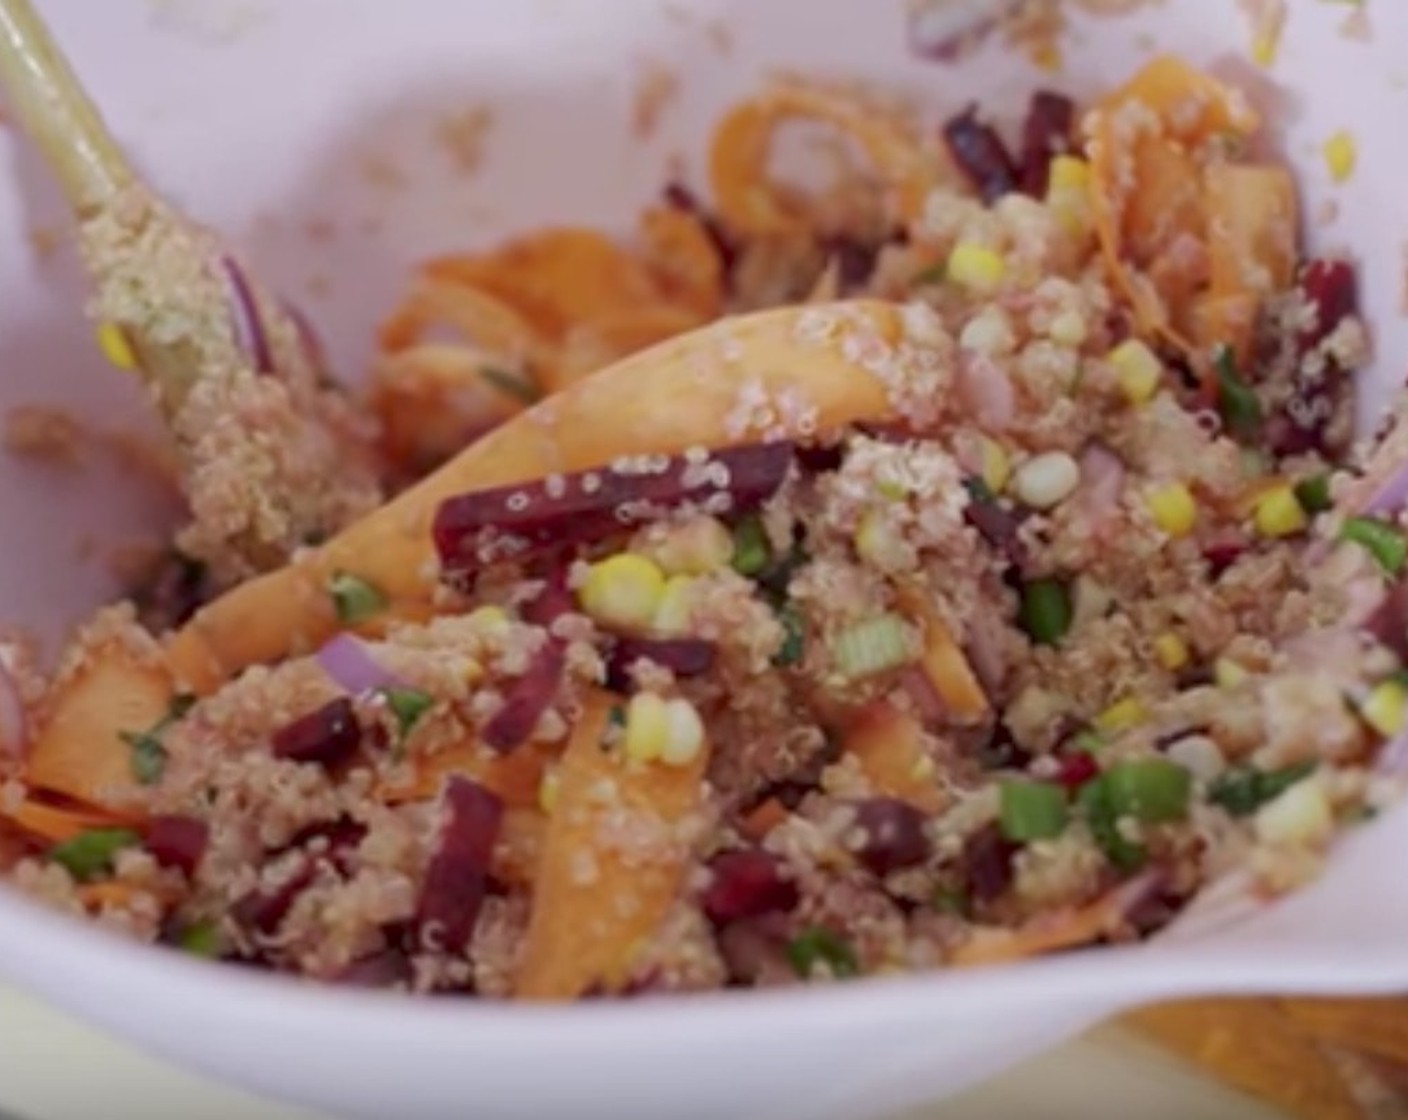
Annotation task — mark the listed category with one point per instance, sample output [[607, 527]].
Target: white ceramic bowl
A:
[[307, 129]]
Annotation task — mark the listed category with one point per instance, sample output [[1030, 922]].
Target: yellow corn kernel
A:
[[1068, 173], [1121, 716], [623, 591], [490, 619], [694, 547], [473, 672], [112, 341], [1385, 708], [1068, 195], [684, 735], [548, 788], [1173, 509], [997, 466], [1227, 673], [675, 612], [1278, 513], [1172, 651], [647, 727], [976, 267], [1340, 154], [1138, 370]]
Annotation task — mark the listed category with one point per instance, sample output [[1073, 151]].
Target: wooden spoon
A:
[[273, 456]]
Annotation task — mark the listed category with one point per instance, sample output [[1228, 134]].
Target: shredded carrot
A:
[[56, 823], [889, 745], [750, 203], [682, 256], [943, 662], [79, 751], [600, 891], [763, 819], [632, 408]]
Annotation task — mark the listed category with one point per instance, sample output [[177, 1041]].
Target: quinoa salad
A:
[[963, 561]]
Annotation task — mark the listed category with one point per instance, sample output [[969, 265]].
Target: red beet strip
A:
[[457, 877], [1045, 135], [685, 657], [177, 841], [327, 736], [531, 518], [527, 698], [981, 154], [746, 884]]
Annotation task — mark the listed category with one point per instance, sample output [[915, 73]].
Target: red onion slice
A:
[[309, 341], [1393, 756], [1102, 478], [928, 703], [245, 321], [1391, 496], [346, 661]]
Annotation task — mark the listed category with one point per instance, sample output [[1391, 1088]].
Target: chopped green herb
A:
[[793, 636], [510, 383], [777, 579], [978, 489], [934, 274], [1031, 810], [354, 599], [1237, 403], [616, 717], [1243, 790], [1102, 819], [148, 757], [751, 551], [817, 944], [952, 900], [1045, 613], [200, 939], [1087, 742], [1313, 493], [407, 705], [90, 854], [1151, 790], [1381, 540]]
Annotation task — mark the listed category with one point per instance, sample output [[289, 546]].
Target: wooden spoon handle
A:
[[51, 106]]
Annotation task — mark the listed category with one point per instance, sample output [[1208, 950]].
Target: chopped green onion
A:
[[1045, 613], [793, 636], [1313, 493], [1381, 540], [90, 853], [817, 944], [509, 383], [354, 599], [1032, 810], [1244, 789], [407, 705], [952, 900], [1237, 404], [1103, 820], [1087, 742], [751, 551], [201, 939], [872, 646], [1151, 790]]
